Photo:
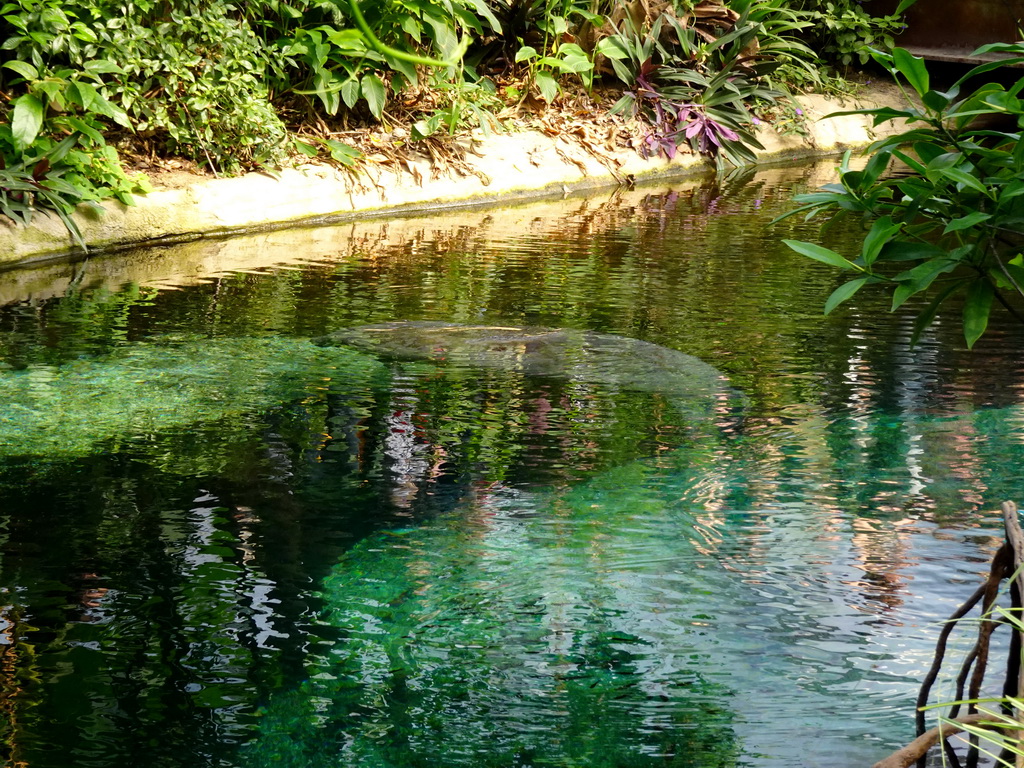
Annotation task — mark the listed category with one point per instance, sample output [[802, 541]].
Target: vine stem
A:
[[387, 50]]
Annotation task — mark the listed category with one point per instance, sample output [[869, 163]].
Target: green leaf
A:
[[912, 68], [819, 253], [374, 92], [899, 250], [843, 292], [881, 232], [935, 100], [23, 68], [422, 129], [481, 9], [82, 32], [967, 180], [547, 85], [612, 48], [86, 130], [976, 310], [918, 279], [876, 166], [343, 153], [350, 92], [305, 148], [904, 4], [881, 114], [911, 162], [27, 120], [102, 67], [83, 94], [965, 222], [525, 53]]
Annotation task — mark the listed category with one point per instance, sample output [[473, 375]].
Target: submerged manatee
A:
[[564, 353]]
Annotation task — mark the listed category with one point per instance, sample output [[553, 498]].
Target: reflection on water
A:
[[224, 545]]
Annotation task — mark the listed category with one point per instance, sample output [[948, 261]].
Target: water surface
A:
[[223, 545]]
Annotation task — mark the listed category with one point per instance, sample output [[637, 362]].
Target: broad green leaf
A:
[[881, 114], [305, 148], [102, 67], [612, 48], [422, 129], [103, 107], [83, 94], [481, 8], [350, 92], [881, 232], [967, 180], [988, 66], [1011, 48], [343, 153], [86, 130], [1001, 101], [374, 92], [912, 68], [83, 32], [27, 120], [23, 68], [940, 161], [904, 4], [976, 309], [964, 222], [547, 85], [822, 254], [910, 162], [1017, 273], [843, 292], [918, 279], [876, 166], [406, 68], [900, 250], [525, 53], [935, 100]]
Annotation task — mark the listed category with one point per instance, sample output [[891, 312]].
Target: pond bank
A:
[[499, 168]]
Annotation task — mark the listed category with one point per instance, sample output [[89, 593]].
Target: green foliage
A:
[[216, 81], [345, 59], [953, 223], [540, 34], [188, 73], [843, 30], [694, 91], [53, 153]]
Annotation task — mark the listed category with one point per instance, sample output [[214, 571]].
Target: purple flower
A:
[[799, 111], [755, 121]]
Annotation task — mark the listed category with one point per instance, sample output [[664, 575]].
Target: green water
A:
[[223, 545]]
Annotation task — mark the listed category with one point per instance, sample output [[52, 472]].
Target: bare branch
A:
[[918, 748]]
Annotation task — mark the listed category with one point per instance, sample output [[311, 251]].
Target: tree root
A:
[[1008, 563]]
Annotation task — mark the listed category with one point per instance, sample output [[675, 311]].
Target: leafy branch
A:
[[952, 224]]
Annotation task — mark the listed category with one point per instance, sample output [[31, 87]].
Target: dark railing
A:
[[949, 30]]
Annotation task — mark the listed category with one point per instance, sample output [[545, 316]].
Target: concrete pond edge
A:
[[508, 167]]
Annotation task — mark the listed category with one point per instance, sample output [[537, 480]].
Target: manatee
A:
[[564, 353]]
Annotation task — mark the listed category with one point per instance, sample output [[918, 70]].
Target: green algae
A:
[[148, 388]]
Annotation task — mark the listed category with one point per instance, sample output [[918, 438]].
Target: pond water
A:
[[225, 545]]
